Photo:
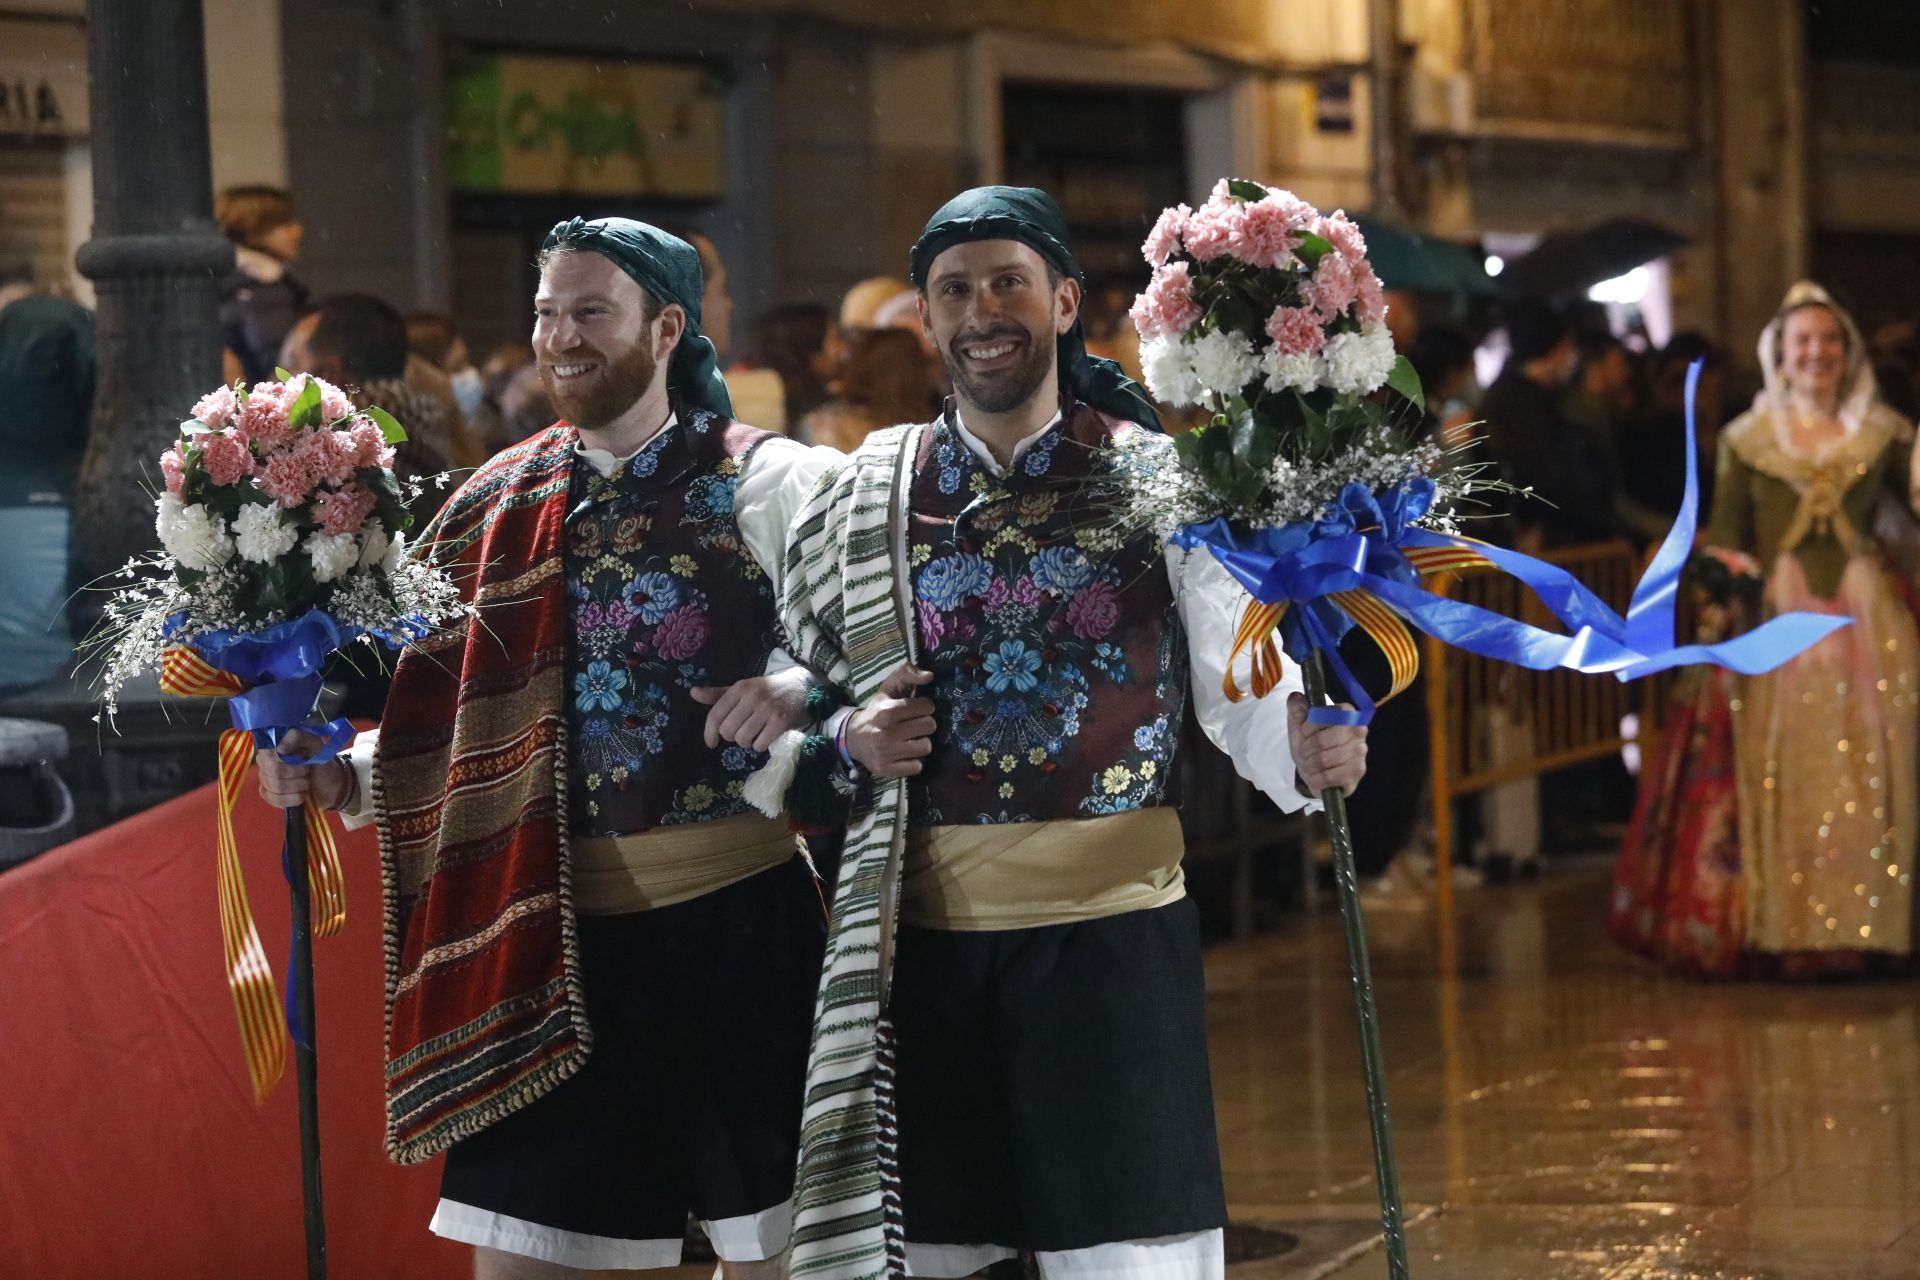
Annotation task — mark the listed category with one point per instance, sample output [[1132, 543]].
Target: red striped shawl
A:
[[485, 1010]]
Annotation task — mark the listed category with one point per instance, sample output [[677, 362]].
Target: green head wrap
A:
[[1029, 215], [668, 268]]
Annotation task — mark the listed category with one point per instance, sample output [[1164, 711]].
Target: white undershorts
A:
[[1200, 1255], [753, 1237]]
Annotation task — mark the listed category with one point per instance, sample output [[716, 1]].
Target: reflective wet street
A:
[[1562, 1110]]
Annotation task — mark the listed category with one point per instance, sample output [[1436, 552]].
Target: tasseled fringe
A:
[[891, 1209], [766, 789]]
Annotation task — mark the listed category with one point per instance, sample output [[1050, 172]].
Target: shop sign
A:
[[43, 79], [536, 125]]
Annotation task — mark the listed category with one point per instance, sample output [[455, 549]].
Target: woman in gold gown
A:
[[1825, 746]]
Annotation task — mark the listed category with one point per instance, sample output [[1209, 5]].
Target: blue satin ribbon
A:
[[1360, 546], [281, 666]]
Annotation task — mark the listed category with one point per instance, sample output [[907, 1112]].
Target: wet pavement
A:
[[1562, 1110]]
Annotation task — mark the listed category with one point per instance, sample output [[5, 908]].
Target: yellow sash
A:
[[1018, 875], [616, 874]]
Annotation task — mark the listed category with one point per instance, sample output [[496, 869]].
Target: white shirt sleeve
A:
[[359, 756], [1252, 731], [772, 485]]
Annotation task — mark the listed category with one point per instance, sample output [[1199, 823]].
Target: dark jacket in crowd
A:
[[1653, 450], [1537, 445], [259, 304], [46, 397]]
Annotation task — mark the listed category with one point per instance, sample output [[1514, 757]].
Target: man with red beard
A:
[[1010, 1050], [601, 960]]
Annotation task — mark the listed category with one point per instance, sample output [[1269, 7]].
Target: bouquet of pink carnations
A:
[[1302, 485], [1268, 314], [282, 527]]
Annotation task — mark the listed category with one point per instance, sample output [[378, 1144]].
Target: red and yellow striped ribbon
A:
[[256, 1002], [1257, 625], [1435, 559], [1382, 625]]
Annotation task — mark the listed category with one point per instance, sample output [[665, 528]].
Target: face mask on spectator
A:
[[469, 390]]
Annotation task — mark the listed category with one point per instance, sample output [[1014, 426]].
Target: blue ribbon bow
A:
[[1360, 545], [281, 667]]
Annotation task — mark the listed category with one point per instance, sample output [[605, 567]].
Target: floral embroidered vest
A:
[[664, 597], [1058, 655]]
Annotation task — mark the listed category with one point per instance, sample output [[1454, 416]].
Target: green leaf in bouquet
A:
[[1406, 380], [194, 482], [1234, 313], [1313, 417], [1312, 248], [389, 425], [1246, 190], [1245, 429], [1191, 448], [282, 374], [390, 506], [392, 515], [223, 500], [1220, 470], [1254, 443], [306, 408], [383, 482], [285, 585], [1244, 484]]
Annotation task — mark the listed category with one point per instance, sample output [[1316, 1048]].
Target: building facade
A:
[[428, 143]]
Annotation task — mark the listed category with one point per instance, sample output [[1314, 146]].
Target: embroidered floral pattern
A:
[[1021, 617], [654, 555]]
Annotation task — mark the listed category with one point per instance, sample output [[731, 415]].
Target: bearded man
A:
[[1010, 1052], [600, 959]]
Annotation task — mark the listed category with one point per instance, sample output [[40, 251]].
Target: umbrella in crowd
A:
[[1405, 259], [1568, 263]]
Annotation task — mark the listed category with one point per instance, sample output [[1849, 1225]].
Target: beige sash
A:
[[657, 868], [1017, 875]]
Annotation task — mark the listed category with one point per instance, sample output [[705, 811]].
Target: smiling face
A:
[[599, 351], [996, 319], [1813, 351]]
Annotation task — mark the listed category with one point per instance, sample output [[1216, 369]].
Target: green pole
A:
[[1386, 1173]]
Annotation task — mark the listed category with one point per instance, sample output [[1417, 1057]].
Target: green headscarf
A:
[[668, 268], [1029, 215]]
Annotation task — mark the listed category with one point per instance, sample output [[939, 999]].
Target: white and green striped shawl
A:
[[847, 605]]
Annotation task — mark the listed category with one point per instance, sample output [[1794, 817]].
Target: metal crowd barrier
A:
[[1491, 722]]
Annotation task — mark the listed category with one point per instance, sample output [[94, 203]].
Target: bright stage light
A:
[[1495, 264]]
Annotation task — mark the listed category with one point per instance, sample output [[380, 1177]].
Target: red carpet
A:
[[130, 1144]]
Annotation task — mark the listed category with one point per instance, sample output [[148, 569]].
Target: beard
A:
[[999, 390], [616, 388]]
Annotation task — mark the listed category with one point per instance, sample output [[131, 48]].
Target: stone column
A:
[[156, 259], [1384, 132], [1760, 60]]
